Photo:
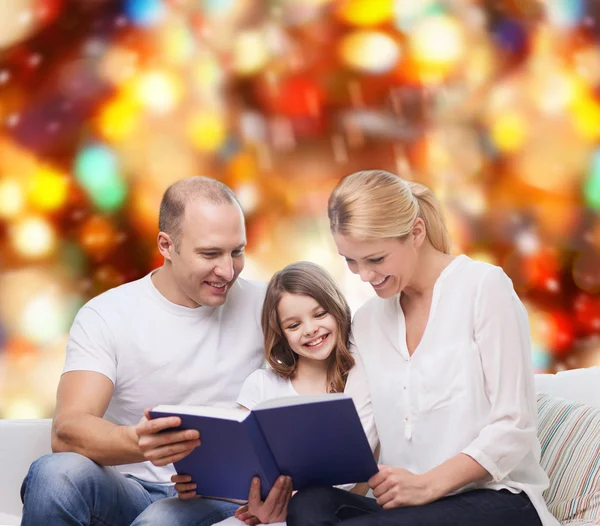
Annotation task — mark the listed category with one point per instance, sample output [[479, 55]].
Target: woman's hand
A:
[[397, 487], [184, 486]]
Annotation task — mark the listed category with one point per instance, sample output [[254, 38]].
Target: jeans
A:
[[68, 489], [328, 506], [194, 512]]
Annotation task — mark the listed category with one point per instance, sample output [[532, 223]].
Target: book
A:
[[317, 440]]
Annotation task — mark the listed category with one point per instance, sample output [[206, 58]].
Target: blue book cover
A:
[[317, 440]]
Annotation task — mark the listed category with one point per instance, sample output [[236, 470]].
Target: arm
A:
[[84, 393], [78, 426], [357, 387], [502, 337]]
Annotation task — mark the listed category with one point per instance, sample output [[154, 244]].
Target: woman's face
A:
[[387, 264]]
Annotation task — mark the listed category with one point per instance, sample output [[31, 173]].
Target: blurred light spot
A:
[[12, 198], [159, 91], [565, 13], [144, 12], [97, 170], [366, 12], [22, 408], [250, 52], [592, 185], [48, 189], [207, 131], [437, 40], [370, 51], [33, 237]]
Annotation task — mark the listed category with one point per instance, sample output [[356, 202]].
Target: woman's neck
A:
[[311, 376], [430, 264]]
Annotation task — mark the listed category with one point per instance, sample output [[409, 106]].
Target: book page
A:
[[225, 413], [299, 400]]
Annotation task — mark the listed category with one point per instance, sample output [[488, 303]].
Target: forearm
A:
[[361, 488], [454, 474], [102, 441]]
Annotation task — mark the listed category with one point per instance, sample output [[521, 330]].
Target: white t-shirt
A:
[[468, 387], [266, 384], [156, 352]]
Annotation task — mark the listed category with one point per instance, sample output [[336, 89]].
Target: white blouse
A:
[[468, 387]]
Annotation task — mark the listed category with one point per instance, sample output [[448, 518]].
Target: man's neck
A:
[[164, 282]]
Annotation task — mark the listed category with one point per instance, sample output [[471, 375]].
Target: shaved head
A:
[[179, 194]]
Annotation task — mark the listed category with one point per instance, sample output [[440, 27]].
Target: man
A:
[[188, 333]]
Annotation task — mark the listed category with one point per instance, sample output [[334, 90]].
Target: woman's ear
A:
[[419, 232]]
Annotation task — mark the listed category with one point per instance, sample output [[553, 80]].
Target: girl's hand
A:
[[274, 508], [184, 486], [244, 515], [397, 487]]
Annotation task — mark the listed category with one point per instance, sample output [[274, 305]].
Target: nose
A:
[[225, 269], [365, 275], [310, 328]]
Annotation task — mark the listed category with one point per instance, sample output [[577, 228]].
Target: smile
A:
[[379, 283], [217, 284], [318, 341]]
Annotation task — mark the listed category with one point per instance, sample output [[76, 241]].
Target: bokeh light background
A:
[[103, 104]]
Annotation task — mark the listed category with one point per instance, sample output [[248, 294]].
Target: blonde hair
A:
[[311, 280], [375, 204]]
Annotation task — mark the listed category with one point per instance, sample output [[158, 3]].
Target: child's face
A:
[[310, 330]]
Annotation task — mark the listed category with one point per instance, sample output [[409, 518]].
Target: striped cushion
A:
[[569, 434]]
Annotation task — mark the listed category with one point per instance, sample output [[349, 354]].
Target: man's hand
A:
[[273, 509], [184, 487], [164, 448], [397, 487]]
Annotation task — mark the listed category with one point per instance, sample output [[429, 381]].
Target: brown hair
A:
[[375, 204], [175, 198], [311, 280]]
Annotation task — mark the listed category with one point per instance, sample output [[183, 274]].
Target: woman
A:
[[445, 345]]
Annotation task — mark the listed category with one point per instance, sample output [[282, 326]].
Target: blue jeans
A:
[[194, 512], [329, 506], [67, 489]]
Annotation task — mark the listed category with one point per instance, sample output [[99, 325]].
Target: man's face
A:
[[211, 252]]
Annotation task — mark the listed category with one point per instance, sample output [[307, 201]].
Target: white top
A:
[[468, 387], [266, 384], [263, 385], [156, 352]]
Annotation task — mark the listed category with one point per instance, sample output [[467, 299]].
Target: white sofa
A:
[[22, 441]]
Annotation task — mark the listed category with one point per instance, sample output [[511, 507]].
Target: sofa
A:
[[568, 429]]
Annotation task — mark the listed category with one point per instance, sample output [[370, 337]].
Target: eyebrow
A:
[[217, 249], [371, 256], [318, 307]]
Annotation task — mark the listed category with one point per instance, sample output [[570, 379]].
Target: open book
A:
[[317, 440]]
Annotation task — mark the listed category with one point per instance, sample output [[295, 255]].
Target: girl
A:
[[306, 325], [446, 350]]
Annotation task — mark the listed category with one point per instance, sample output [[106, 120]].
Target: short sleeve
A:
[[91, 346], [252, 390]]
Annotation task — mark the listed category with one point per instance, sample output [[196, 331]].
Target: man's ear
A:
[[165, 245], [419, 232]]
